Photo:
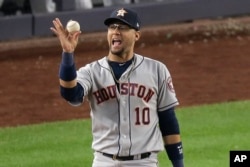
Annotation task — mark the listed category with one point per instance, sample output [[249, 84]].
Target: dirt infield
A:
[[209, 62]]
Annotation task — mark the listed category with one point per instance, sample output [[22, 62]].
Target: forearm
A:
[[171, 136], [172, 139], [68, 84], [173, 146], [70, 90]]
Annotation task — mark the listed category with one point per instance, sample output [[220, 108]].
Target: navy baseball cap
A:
[[126, 16]]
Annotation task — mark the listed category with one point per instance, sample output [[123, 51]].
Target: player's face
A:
[[121, 39]]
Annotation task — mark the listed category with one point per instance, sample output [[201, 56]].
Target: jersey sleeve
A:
[[84, 78], [166, 96]]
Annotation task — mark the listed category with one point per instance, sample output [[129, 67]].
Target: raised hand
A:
[[68, 40]]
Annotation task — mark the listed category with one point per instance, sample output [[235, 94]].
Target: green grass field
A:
[[209, 132]]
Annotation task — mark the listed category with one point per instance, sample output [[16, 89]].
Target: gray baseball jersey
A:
[[125, 122]]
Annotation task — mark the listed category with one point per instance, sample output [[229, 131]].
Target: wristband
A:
[[67, 58], [175, 154], [67, 71], [178, 163]]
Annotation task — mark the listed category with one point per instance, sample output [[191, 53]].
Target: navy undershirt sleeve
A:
[[74, 94], [168, 122]]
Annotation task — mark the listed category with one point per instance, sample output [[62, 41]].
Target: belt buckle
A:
[[114, 157], [137, 157]]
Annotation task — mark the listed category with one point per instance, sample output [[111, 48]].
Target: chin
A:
[[117, 53]]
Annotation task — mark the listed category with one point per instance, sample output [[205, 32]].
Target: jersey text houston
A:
[[132, 89]]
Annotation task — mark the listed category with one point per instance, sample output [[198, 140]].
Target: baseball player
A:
[[132, 97]]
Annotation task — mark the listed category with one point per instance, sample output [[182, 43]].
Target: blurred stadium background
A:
[[207, 68], [21, 19]]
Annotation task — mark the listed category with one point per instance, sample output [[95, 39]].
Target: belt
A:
[[128, 158]]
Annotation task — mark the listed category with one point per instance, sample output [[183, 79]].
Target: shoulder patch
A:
[[170, 85]]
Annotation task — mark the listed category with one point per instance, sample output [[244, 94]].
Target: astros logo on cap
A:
[[121, 12]]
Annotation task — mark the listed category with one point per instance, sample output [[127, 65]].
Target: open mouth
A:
[[116, 42]]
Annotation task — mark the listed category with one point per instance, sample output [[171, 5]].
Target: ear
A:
[[137, 35]]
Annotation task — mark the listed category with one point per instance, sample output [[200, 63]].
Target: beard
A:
[[118, 53]]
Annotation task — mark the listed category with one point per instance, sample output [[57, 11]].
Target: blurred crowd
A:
[[18, 7]]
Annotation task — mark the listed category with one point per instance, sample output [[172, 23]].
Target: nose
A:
[[116, 30]]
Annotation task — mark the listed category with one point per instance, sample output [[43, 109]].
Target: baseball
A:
[[72, 26]]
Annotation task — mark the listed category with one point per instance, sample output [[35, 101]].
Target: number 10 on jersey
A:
[[142, 116]]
